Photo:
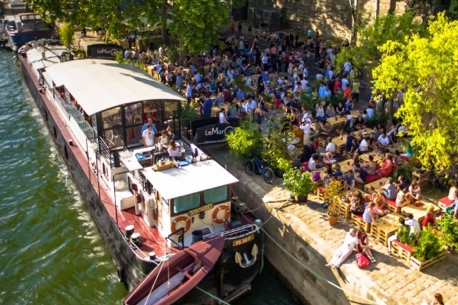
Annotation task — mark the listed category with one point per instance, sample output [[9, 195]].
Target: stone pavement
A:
[[388, 281]]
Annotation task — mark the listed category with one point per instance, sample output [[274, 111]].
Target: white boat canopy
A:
[[98, 85], [189, 179]]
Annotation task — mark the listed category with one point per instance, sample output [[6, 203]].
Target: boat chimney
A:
[[129, 231], [258, 222], [135, 239], [197, 235], [152, 255]]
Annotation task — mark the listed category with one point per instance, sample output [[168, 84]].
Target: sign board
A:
[[212, 133], [103, 51]]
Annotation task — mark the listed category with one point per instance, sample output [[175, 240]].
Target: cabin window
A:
[[112, 127], [215, 195], [186, 203], [133, 120]]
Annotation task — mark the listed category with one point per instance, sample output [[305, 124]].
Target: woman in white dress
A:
[[344, 251]]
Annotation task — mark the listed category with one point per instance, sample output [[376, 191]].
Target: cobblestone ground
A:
[[389, 280]]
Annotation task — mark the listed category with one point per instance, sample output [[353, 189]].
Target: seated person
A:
[[327, 177], [326, 127], [401, 199], [349, 141], [414, 225], [397, 158], [383, 141], [369, 215], [387, 166], [360, 124], [328, 158], [337, 171], [164, 138], [349, 180], [379, 205], [454, 205], [430, 218], [312, 163], [395, 236], [173, 150], [360, 173], [370, 166], [349, 124], [363, 145], [330, 147], [414, 193], [297, 162], [363, 245], [357, 204], [389, 189], [370, 195], [452, 190], [402, 184]]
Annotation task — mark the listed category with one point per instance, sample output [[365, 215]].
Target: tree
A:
[[66, 31], [366, 54], [198, 23], [426, 69]]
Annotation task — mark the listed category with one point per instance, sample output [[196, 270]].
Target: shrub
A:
[[245, 141], [429, 246]]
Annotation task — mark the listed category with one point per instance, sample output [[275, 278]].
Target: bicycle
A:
[[255, 166]]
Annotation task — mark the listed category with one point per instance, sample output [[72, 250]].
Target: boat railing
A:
[[180, 238], [104, 149]]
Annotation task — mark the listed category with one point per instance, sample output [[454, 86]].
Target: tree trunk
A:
[[164, 36]]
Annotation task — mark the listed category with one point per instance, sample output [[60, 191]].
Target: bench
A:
[[360, 223], [401, 250], [124, 199], [445, 203], [392, 206]]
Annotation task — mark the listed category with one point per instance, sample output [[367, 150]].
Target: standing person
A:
[[207, 107], [306, 127], [232, 26], [222, 116], [149, 121], [148, 137], [258, 114], [344, 251], [437, 300]]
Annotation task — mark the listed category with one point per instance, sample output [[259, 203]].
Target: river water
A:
[[50, 250]]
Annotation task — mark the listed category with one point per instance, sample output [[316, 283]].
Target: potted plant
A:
[[331, 194], [299, 184], [428, 250], [276, 144], [245, 141], [449, 232]]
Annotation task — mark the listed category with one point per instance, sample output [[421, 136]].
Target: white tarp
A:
[[189, 179], [98, 84]]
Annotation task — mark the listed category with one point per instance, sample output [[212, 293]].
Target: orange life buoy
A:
[[179, 219], [226, 214]]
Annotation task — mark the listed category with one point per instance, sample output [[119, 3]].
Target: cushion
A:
[[370, 178], [391, 202], [403, 246], [445, 201]]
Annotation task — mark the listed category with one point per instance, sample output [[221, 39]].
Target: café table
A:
[[384, 227], [346, 165], [418, 210], [377, 184]]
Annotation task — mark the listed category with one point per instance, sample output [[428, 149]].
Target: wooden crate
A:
[[360, 223], [417, 265], [162, 167], [402, 251], [343, 208], [391, 204]]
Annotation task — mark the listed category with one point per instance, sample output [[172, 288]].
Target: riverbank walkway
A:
[[388, 281]]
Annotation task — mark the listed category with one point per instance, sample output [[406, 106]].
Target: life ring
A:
[[179, 219], [226, 214]]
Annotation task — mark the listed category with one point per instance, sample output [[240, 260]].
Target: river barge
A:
[[147, 207]]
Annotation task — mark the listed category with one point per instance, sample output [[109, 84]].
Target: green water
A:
[[50, 250]]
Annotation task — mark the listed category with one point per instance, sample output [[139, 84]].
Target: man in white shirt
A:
[[222, 116], [331, 147], [148, 137], [363, 146], [414, 225], [306, 128], [345, 83], [312, 163], [370, 112], [383, 140], [347, 67]]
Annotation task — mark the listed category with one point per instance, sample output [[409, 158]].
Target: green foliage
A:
[[66, 32], [405, 170], [427, 71], [405, 237], [245, 141], [300, 184], [449, 230], [366, 54], [428, 247], [189, 113], [199, 23], [276, 140], [283, 165], [332, 193]]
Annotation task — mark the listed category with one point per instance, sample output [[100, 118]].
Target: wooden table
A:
[[345, 166], [419, 212], [377, 184], [365, 157], [340, 143]]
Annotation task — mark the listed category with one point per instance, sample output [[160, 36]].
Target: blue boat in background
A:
[[27, 27]]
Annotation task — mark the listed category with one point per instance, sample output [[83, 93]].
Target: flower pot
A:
[[416, 264], [302, 199], [333, 220]]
